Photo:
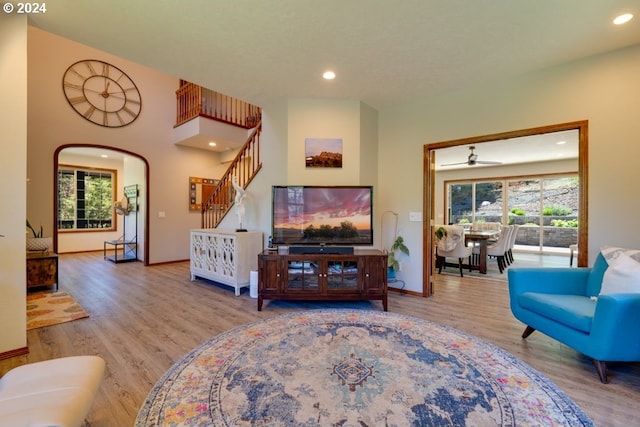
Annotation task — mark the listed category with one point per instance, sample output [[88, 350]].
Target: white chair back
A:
[[501, 246], [453, 244], [514, 234]]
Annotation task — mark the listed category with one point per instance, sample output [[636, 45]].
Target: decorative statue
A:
[[239, 202]]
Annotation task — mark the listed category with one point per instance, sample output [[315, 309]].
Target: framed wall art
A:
[[199, 191], [323, 152]]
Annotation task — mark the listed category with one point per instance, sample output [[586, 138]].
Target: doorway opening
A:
[[433, 195], [73, 231]]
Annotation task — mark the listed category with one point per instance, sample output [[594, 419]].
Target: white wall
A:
[[13, 175], [135, 174], [605, 90], [52, 123], [368, 154], [274, 172], [322, 118], [286, 124]]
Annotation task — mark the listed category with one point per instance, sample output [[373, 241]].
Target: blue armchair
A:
[[558, 302]]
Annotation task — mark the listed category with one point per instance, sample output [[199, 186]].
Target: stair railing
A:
[[244, 167], [195, 101]]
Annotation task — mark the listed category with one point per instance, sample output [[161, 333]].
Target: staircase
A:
[[244, 167], [195, 101]]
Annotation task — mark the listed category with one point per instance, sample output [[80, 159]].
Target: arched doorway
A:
[[128, 168]]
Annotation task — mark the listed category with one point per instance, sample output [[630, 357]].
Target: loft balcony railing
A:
[[244, 167], [195, 101]]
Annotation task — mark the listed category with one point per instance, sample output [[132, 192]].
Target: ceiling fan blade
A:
[[455, 164], [472, 160]]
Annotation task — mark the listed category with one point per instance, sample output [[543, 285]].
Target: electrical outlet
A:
[[162, 214], [415, 216]]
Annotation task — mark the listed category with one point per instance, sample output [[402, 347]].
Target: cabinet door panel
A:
[[342, 275], [375, 275], [302, 276], [269, 275]]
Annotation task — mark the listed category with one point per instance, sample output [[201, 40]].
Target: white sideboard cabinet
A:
[[225, 256]]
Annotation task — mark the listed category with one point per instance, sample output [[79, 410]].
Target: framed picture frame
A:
[[199, 191], [323, 152]]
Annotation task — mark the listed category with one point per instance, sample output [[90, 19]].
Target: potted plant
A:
[[393, 263], [38, 242], [440, 233]]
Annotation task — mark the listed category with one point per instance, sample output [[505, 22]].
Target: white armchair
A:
[[56, 392]]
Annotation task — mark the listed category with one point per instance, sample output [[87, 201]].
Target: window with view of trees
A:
[[85, 198]]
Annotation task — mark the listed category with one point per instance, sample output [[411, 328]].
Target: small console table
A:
[[321, 277], [225, 256], [127, 251]]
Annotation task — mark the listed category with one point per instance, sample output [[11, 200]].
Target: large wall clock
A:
[[102, 93]]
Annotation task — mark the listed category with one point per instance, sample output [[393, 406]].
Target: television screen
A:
[[322, 215]]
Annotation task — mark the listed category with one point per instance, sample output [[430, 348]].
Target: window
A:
[[472, 202], [547, 207], [85, 198]]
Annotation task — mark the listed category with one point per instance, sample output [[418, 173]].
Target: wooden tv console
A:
[[323, 277]]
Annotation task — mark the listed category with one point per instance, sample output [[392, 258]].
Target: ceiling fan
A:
[[472, 160]]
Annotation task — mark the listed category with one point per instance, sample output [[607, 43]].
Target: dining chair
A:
[[452, 245], [573, 249], [498, 249], [512, 243]]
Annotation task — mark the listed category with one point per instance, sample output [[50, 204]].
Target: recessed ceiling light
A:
[[212, 144], [561, 142], [329, 75], [623, 19], [104, 156]]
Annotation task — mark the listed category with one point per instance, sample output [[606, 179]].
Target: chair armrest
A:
[[568, 281], [615, 324]]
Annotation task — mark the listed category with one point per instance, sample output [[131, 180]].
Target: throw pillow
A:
[[622, 276]]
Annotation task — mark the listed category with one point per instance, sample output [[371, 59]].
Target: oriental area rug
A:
[[52, 308], [353, 368]]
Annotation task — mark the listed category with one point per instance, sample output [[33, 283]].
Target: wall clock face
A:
[[102, 93]]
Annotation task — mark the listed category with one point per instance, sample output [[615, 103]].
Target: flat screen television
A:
[[316, 215]]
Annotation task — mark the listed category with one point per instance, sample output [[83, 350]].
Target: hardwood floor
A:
[[143, 319]]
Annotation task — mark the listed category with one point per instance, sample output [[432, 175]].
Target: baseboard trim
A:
[[14, 353], [404, 291]]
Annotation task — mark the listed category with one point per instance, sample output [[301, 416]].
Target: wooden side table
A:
[[42, 270]]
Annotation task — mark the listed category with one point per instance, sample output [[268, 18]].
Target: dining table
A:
[[482, 238]]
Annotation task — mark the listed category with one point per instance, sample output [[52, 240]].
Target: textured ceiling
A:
[[384, 52]]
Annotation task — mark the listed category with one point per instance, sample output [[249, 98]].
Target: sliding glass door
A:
[[546, 208], [474, 202]]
